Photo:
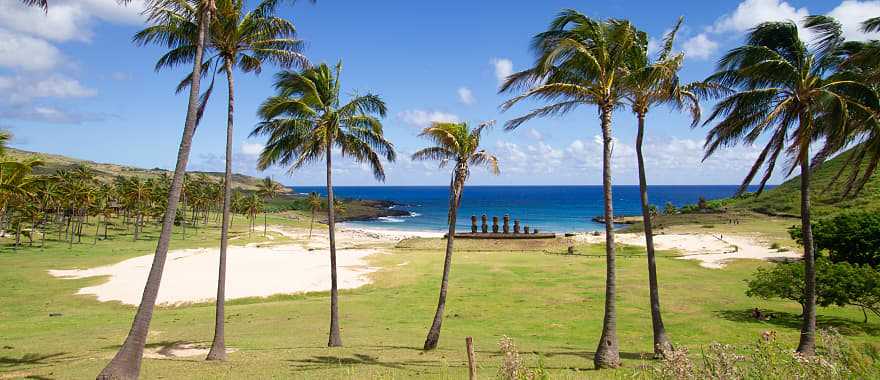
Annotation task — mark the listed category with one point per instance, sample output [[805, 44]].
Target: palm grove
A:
[[777, 84]]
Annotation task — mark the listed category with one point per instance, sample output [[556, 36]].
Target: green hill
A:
[[54, 162], [826, 198]]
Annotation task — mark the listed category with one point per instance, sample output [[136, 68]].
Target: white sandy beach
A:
[[711, 250], [255, 270]]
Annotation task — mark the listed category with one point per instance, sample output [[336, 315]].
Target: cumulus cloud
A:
[[750, 13], [852, 13], [67, 20], [466, 96], [51, 114], [18, 89], [251, 149], [503, 68], [19, 51], [699, 46], [424, 118]]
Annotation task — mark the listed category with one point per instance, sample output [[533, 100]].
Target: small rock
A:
[[55, 314]]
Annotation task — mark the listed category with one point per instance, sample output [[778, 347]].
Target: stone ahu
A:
[[501, 231]]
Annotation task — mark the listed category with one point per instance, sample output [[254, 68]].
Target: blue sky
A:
[[72, 83]]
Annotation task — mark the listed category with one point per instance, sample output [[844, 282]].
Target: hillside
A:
[[54, 162], [785, 198]]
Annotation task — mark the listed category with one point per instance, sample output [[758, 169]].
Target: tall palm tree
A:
[[781, 86], [314, 205], [582, 61], [238, 39], [305, 121], [654, 83], [455, 143], [126, 363], [268, 189]]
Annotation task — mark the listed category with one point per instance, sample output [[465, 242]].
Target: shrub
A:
[[852, 237], [767, 359], [670, 209], [512, 365], [838, 284], [775, 246]]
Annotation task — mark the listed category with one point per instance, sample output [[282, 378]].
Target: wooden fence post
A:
[[472, 365]]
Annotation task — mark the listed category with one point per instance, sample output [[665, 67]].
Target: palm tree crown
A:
[[458, 143], [307, 118]]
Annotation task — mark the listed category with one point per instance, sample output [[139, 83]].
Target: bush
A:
[[851, 237], [838, 284], [670, 209], [512, 365], [767, 359]]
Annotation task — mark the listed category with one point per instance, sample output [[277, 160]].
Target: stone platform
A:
[[480, 235]]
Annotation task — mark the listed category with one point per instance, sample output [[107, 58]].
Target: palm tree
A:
[[781, 86], [453, 143], [655, 83], [268, 189], [239, 39], [314, 206], [126, 363], [582, 61], [306, 120]]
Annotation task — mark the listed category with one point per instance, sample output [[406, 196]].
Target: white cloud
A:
[[503, 68], [699, 47], [466, 96], [852, 13], [51, 114], [120, 76], [750, 13], [20, 89], [23, 52], [251, 149], [67, 19], [423, 118], [535, 134]]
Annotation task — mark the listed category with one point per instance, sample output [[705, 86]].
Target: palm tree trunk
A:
[[455, 187], [265, 223], [807, 344], [661, 342], [312, 224], [127, 362], [183, 219], [607, 354], [97, 229], [218, 347], [335, 339]]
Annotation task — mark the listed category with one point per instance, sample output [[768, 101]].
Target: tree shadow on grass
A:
[[30, 359], [322, 362], [793, 321]]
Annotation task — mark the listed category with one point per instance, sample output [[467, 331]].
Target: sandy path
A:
[[711, 250]]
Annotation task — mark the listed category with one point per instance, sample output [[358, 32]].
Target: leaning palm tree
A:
[[582, 61], [458, 144], [314, 206], [238, 39], [780, 87], [268, 189], [126, 363], [305, 121], [655, 83]]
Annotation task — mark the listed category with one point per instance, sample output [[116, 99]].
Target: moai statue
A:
[[494, 224], [485, 223], [516, 226], [535, 231], [473, 224], [526, 229], [506, 224]]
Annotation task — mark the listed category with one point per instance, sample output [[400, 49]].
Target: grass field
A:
[[549, 303]]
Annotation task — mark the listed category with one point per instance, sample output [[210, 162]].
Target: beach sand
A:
[[255, 270], [711, 250]]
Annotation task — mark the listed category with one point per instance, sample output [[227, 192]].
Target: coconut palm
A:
[[238, 39], [268, 189], [582, 61], [127, 361], [305, 121], [781, 86], [314, 205], [458, 144], [655, 83]]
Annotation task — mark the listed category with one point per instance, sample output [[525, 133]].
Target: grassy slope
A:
[[55, 162], [785, 199], [551, 304]]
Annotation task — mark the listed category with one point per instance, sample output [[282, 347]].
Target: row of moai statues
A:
[[505, 228]]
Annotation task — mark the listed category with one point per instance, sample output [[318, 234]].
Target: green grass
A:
[[549, 303]]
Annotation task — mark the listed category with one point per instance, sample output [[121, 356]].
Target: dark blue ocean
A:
[[548, 208]]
